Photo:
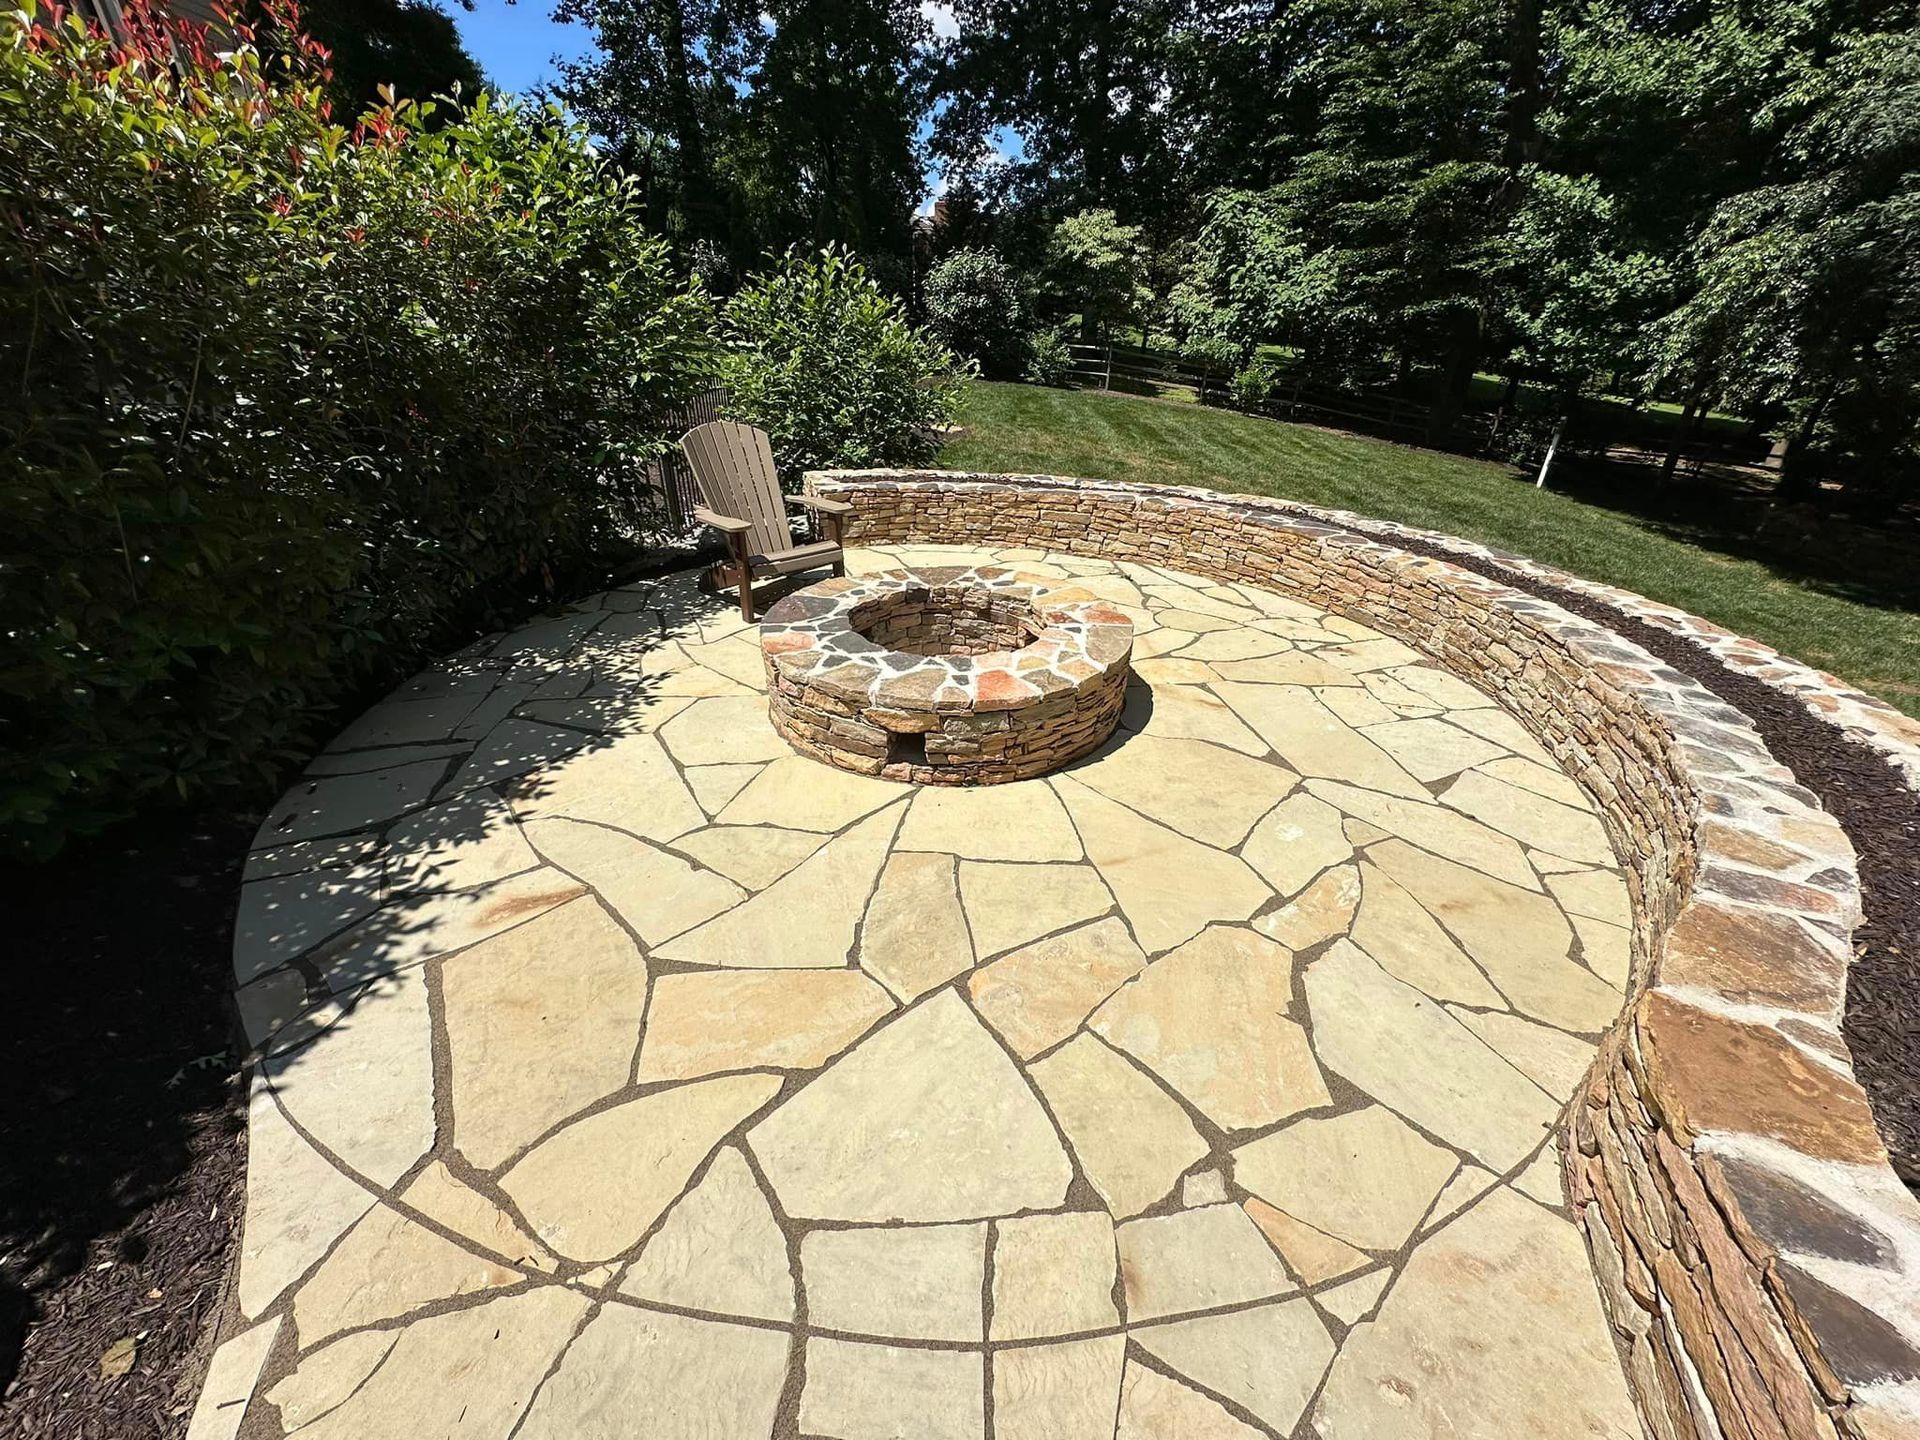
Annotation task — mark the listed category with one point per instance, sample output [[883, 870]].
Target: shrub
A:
[[973, 303], [1253, 384], [1049, 356], [281, 405], [829, 367]]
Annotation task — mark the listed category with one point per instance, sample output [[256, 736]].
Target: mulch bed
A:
[[1863, 791], [123, 1130]]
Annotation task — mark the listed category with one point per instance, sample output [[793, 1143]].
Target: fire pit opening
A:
[[945, 675], [948, 620]]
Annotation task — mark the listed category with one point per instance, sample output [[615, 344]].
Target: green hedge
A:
[[282, 403]]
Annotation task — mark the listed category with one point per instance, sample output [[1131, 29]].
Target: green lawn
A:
[[1868, 639]]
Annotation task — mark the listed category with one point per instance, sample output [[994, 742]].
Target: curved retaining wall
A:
[[1757, 1256]]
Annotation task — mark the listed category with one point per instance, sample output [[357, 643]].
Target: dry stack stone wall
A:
[[1758, 1257]]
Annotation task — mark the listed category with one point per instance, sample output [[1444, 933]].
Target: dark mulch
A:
[[1861, 789], [121, 1128]]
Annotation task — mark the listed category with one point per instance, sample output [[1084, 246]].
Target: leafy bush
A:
[[282, 405], [973, 303], [830, 368], [1049, 358], [1253, 384]]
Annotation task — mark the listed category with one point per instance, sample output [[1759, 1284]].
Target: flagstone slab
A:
[[801, 794], [1133, 1141], [326, 1377], [1020, 821], [1238, 644], [1313, 740], [1357, 707], [1293, 668], [334, 805], [298, 1205], [439, 1195], [915, 935], [909, 1282], [1463, 1190], [627, 782], [1172, 711], [1433, 828], [232, 1374], [468, 1373], [1069, 1390], [1409, 944], [1037, 996], [388, 1266], [1009, 905], [456, 844], [512, 748], [925, 1120], [1194, 1260], [1605, 949], [1432, 749], [1503, 730], [1352, 1302], [1365, 1177], [857, 1391], [1212, 1020], [560, 997], [1405, 1051], [1152, 1407], [1597, 894], [1202, 791], [1446, 690], [1053, 1275], [1318, 913], [1268, 1359], [714, 786], [719, 1250], [1294, 842], [283, 917], [593, 1189], [1169, 886], [409, 932], [725, 729], [1421, 1367], [363, 1087], [657, 893], [1313, 1255], [1521, 940], [1542, 779], [704, 1022], [751, 855], [690, 1379], [829, 889], [1532, 818], [1552, 1059]]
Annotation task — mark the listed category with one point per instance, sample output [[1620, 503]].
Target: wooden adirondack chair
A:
[[733, 469]]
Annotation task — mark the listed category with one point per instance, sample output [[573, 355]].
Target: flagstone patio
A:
[[626, 1074]]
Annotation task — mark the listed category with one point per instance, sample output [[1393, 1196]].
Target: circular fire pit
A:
[[945, 675]]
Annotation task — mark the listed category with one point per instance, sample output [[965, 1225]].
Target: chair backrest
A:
[[733, 467]]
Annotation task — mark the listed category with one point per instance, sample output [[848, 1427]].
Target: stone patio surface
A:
[[624, 1074]]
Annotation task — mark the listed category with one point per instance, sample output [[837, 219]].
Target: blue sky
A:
[[516, 45]]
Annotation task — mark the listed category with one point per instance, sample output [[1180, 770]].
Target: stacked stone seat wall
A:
[[1757, 1256]]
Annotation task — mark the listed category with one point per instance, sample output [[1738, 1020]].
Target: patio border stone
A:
[[1756, 1254]]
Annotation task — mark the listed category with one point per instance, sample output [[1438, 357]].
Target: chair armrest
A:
[[726, 524], [821, 504]]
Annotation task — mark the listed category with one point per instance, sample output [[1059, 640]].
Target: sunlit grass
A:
[[1114, 437]]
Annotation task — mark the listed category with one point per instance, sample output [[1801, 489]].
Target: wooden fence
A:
[[670, 472]]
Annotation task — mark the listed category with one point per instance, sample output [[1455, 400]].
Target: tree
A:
[[1094, 265], [973, 303], [411, 45], [827, 152], [663, 88], [1085, 86]]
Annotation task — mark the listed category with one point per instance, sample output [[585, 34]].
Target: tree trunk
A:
[[697, 200], [1797, 482], [1696, 403], [1456, 382]]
